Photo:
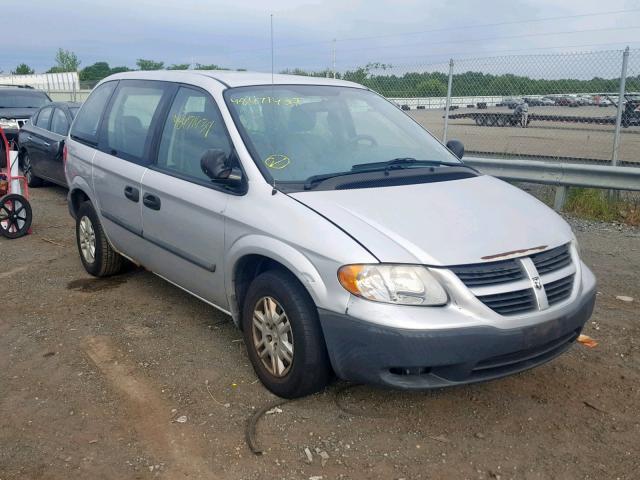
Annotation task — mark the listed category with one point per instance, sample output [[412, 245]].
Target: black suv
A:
[[17, 104]]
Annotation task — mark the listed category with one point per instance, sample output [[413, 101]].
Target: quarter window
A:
[[44, 117], [130, 116], [194, 125], [85, 127], [59, 122]]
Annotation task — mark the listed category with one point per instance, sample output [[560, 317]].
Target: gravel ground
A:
[[130, 377], [540, 138]]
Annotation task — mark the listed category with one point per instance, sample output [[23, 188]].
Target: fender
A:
[[279, 251]]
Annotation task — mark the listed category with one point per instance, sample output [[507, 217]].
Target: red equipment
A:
[[15, 209]]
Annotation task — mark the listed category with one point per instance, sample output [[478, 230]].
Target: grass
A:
[[596, 204]]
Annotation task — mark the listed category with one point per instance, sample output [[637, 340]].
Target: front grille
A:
[[489, 273], [559, 290], [552, 260], [510, 303], [491, 282]]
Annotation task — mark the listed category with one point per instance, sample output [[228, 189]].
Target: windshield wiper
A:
[[313, 180], [401, 162], [394, 164]]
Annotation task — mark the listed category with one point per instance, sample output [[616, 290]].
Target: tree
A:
[[210, 66], [179, 66], [97, 71], [120, 70], [66, 61], [23, 69], [431, 88], [149, 64]]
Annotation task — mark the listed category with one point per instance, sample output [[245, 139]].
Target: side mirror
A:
[[456, 147], [214, 164]]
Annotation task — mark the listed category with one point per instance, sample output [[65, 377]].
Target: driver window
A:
[[193, 126]]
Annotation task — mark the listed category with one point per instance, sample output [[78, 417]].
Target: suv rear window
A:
[[23, 99], [85, 128], [129, 119]]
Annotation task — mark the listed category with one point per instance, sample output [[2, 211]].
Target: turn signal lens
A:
[[398, 284]]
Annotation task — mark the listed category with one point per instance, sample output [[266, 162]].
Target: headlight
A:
[[8, 123], [399, 284]]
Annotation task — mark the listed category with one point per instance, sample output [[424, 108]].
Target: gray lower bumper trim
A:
[[369, 353]]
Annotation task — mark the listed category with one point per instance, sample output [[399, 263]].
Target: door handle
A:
[[46, 144], [131, 193], [151, 201]]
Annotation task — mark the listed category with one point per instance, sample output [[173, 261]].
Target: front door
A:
[[183, 210]]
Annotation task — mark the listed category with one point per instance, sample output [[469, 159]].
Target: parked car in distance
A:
[[17, 104], [547, 101], [512, 102], [41, 141], [340, 235], [567, 101]]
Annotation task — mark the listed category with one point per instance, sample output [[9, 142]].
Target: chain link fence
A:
[[572, 103], [561, 107]]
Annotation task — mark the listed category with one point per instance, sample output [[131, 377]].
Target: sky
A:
[[236, 34]]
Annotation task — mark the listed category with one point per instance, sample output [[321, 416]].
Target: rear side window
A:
[[129, 120], [193, 126], [85, 127], [59, 122], [44, 117]]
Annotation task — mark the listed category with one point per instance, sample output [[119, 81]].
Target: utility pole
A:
[[272, 48], [333, 56]]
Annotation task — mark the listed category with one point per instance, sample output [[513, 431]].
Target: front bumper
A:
[[366, 352]]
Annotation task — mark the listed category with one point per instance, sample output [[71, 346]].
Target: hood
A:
[[17, 112], [455, 222]]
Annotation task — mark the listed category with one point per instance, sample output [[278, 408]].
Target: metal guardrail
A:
[[562, 175], [565, 174]]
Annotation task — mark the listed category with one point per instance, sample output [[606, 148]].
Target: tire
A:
[[15, 216], [491, 121], [105, 261], [27, 169], [309, 370], [501, 121]]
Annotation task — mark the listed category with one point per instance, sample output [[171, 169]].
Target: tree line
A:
[[375, 76]]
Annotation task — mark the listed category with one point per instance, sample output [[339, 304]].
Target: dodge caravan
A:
[[341, 237]]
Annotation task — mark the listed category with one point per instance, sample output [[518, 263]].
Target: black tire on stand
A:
[[15, 216]]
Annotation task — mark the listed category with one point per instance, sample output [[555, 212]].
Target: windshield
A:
[[30, 99], [299, 131]]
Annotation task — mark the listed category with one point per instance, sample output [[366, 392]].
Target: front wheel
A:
[[96, 253], [283, 336]]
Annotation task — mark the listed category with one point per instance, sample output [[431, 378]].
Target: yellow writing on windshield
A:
[[201, 124], [277, 162], [253, 100]]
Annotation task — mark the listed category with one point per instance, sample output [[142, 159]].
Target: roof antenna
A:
[[272, 48]]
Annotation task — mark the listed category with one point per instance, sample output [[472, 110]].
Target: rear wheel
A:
[[27, 168], [96, 253], [502, 121], [283, 336]]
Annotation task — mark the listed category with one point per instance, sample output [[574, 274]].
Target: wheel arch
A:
[[78, 193], [254, 254]]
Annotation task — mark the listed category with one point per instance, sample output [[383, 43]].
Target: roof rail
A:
[[15, 86]]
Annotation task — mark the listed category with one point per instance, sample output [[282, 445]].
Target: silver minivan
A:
[[343, 239]]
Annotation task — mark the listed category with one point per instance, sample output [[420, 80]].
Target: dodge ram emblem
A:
[[536, 282]]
